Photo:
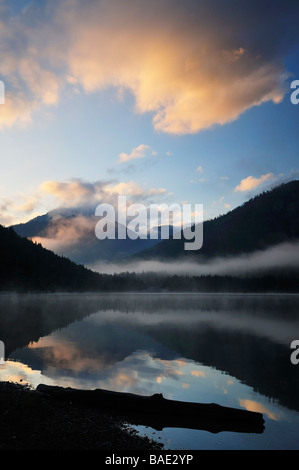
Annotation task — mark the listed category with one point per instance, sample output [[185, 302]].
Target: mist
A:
[[282, 256]]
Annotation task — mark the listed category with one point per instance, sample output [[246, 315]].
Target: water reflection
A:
[[130, 342], [201, 348]]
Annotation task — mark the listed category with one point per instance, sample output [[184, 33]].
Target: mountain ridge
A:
[[266, 220]]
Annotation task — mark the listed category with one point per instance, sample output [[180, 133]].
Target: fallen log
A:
[[159, 412]]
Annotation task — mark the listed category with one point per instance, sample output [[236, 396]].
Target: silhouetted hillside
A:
[[28, 266], [266, 220]]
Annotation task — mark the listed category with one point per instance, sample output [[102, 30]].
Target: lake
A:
[[229, 349]]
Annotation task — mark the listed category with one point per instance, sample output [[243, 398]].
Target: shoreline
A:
[[31, 421]]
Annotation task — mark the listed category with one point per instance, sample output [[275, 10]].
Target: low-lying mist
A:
[[283, 256]]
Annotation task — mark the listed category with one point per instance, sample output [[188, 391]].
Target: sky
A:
[[167, 101]]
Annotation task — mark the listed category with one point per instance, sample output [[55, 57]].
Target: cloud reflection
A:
[[252, 405]]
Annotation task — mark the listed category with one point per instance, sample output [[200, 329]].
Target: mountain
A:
[[33, 227], [266, 220], [27, 266], [71, 233]]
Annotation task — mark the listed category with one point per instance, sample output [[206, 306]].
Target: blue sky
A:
[[203, 101]]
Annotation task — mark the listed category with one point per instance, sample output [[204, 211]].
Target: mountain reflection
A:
[[141, 342]]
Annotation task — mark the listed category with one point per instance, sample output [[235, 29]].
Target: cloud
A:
[[221, 201], [177, 62], [135, 192], [250, 182], [137, 152], [257, 407], [27, 69], [76, 194], [67, 235], [125, 189], [191, 65], [200, 169], [199, 180], [17, 209]]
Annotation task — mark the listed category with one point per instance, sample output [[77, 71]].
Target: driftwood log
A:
[[158, 412]]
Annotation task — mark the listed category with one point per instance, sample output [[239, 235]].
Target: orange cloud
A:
[[250, 182], [198, 373], [182, 75], [74, 192], [137, 152], [177, 60], [252, 405], [185, 385], [125, 189]]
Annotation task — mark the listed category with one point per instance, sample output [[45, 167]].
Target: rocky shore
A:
[[31, 421]]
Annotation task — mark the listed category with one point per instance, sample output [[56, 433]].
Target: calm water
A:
[[229, 349]]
